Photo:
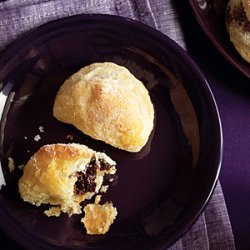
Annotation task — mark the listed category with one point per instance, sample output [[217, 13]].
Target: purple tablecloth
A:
[[213, 229]]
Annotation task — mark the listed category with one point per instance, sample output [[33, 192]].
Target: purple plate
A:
[[210, 15], [161, 190]]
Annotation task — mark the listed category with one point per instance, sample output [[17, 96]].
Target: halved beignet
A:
[[106, 102], [64, 175]]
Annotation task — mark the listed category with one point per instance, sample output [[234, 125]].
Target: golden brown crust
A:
[[53, 211], [106, 102], [238, 27], [98, 218], [50, 175]]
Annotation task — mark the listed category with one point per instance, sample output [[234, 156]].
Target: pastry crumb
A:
[[37, 138], [70, 137], [104, 189], [98, 199], [98, 218], [53, 211], [20, 166], [11, 164], [41, 129]]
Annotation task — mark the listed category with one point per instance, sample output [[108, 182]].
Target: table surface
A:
[[232, 94]]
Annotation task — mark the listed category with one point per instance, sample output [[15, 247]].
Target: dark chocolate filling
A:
[[86, 181], [104, 165]]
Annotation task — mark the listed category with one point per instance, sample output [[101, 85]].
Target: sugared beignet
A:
[[106, 102]]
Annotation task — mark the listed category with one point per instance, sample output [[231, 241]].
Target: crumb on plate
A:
[[11, 164], [104, 189], [20, 166], [70, 137], [98, 218], [37, 138], [41, 129]]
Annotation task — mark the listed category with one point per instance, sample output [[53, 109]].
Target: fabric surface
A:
[[212, 230]]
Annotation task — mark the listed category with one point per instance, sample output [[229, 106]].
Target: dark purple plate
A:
[[161, 190], [210, 15]]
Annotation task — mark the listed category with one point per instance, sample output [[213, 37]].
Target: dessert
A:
[[64, 175], [105, 101]]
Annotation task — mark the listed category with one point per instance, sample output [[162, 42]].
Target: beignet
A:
[[63, 175], [106, 102]]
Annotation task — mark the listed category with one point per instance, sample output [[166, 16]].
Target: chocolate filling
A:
[[86, 181], [104, 165]]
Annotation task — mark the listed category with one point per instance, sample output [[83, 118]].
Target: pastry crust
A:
[[106, 102], [238, 27], [98, 218], [51, 176]]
